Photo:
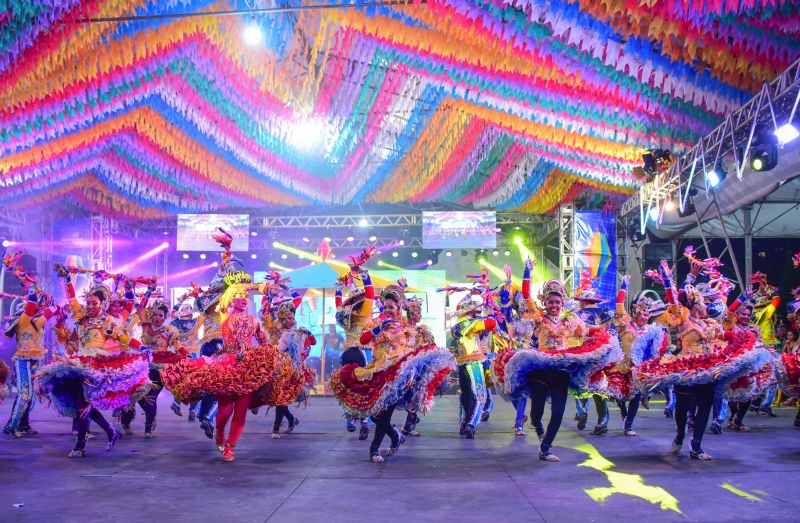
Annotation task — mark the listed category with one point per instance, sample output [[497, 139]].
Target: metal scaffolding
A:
[[566, 244], [774, 106], [101, 256]]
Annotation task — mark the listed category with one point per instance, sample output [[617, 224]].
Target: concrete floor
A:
[[321, 473]]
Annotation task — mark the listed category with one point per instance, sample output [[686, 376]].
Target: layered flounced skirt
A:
[[787, 372], [284, 387], [583, 363], [224, 374], [104, 382], [410, 382], [4, 372], [731, 360], [650, 345]]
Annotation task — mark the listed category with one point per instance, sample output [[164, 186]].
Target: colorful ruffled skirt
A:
[[224, 374], [787, 373], [283, 388], [650, 345], [104, 382], [410, 382], [584, 363], [4, 372], [733, 359]]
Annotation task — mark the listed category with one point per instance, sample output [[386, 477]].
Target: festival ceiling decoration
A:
[[508, 104]]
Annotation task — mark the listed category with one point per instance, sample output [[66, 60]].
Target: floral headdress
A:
[[553, 287]]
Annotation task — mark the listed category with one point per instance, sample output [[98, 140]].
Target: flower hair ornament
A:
[[413, 304]]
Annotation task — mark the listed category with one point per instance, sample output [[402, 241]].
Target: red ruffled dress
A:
[[239, 368]]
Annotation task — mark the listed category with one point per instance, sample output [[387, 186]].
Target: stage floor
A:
[[321, 473]]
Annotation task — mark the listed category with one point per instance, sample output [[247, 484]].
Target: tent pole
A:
[[322, 345]]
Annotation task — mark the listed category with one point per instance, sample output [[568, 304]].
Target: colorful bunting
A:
[[509, 104]]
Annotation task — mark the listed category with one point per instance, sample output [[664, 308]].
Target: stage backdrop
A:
[[596, 251]]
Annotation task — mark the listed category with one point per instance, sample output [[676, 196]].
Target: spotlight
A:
[[363, 222], [507, 252], [301, 256], [275, 244], [215, 264], [253, 256], [252, 34], [284, 256], [653, 213], [715, 176], [166, 233], [327, 238], [395, 254], [518, 240], [6, 243], [669, 206], [402, 242], [482, 261], [786, 133], [350, 238], [414, 254], [430, 262], [448, 253], [165, 245], [516, 227], [253, 233], [202, 256], [305, 239], [185, 256], [498, 229], [495, 252], [380, 263], [764, 157], [373, 238]]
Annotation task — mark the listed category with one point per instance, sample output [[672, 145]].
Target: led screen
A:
[[195, 230], [459, 229]]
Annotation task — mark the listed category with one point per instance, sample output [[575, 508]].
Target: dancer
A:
[[705, 360], [593, 315], [470, 357], [353, 315], [515, 332], [765, 303], [639, 342], [188, 328], [164, 342], [99, 376], [27, 327], [401, 373], [235, 371], [295, 342], [413, 309], [568, 355]]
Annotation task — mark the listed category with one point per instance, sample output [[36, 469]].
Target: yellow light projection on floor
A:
[[623, 483], [742, 493]]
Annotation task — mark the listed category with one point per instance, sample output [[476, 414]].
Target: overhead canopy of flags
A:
[[509, 104]]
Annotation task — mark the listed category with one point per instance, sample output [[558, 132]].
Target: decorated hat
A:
[[586, 292], [552, 287]]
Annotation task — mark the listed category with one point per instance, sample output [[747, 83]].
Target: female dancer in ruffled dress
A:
[[639, 342], [101, 375], [401, 372], [164, 342], [569, 355], [705, 361], [234, 372]]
